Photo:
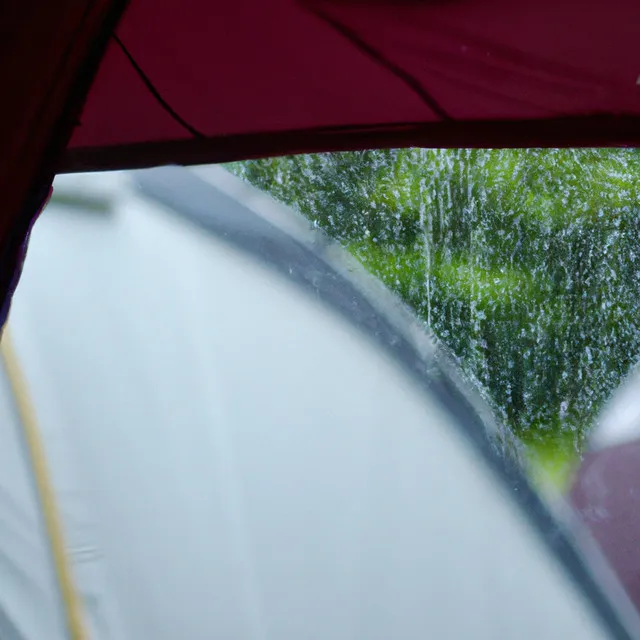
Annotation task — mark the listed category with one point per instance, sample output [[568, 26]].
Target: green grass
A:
[[552, 463]]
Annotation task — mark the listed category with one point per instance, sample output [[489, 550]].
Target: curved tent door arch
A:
[[252, 439]]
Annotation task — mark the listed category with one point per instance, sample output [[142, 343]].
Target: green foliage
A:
[[523, 262]]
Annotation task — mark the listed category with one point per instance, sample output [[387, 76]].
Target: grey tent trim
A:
[[304, 261]]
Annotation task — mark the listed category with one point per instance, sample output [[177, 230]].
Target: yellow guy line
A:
[[45, 491]]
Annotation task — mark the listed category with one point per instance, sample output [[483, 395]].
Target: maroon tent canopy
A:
[[206, 80], [194, 81]]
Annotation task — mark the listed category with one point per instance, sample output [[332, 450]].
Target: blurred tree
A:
[[524, 263]]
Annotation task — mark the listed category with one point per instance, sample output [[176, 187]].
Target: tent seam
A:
[[155, 93], [409, 80]]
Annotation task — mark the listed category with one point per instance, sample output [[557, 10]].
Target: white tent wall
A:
[[30, 604], [234, 459]]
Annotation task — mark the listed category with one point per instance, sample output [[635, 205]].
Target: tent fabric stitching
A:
[[371, 52], [154, 91]]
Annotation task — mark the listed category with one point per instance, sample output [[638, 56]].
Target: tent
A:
[[97, 84], [606, 488], [256, 440], [113, 84]]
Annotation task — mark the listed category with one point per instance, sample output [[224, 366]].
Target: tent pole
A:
[[44, 488]]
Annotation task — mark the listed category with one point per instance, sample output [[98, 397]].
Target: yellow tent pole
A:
[[35, 449]]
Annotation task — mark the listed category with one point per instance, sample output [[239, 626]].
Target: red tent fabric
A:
[[195, 81], [204, 80], [49, 53]]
